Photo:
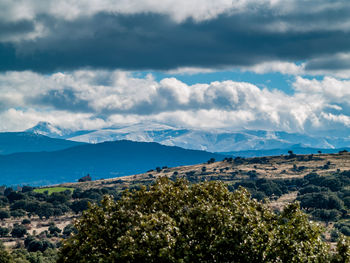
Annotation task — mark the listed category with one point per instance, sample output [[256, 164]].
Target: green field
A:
[[53, 189]]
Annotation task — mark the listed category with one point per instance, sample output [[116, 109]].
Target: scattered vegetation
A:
[[32, 218], [175, 222]]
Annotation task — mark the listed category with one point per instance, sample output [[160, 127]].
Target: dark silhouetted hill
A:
[[103, 160]]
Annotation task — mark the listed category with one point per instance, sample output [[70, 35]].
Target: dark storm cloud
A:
[[64, 99], [337, 62], [9, 31], [153, 41]]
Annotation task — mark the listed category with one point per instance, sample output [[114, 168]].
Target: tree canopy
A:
[[178, 222]]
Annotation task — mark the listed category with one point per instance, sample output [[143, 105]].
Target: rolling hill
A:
[[103, 160]]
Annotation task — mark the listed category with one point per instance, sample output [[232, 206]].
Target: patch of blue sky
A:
[[270, 81]]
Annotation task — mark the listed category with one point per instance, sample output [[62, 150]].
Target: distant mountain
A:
[[103, 160], [50, 130], [12, 142], [215, 140]]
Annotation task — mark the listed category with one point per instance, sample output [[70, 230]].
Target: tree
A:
[[54, 230], [69, 229], [4, 214], [4, 231], [18, 231], [178, 222], [18, 213], [211, 160], [80, 205], [86, 178]]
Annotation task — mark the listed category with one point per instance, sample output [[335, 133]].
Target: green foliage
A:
[[4, 214], [176, 222], [321, 201], [54, 230], [4, 231], [5, 257], [18, 213], [69, 229], [343, 251], [18, 231], [326, 215], [80, 205], [34, 245], [26, 221], [23, 256]]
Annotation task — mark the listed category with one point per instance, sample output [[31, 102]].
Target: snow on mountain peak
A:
[[47, 129]]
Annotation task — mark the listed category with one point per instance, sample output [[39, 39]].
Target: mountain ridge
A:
[[213, 140], [103, 160]]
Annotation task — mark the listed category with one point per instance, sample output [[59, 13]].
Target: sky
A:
[[280, 65]]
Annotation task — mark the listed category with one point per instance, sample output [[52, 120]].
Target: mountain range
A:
[[212, 140], [101, 160], [47, 154]]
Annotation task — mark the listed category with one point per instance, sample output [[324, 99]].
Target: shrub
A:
[[4, 231], [26, 221], [18, 231], [4, 214]]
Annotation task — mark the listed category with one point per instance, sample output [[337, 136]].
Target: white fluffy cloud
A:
[[179, 10], [282, 67], [96, 99]]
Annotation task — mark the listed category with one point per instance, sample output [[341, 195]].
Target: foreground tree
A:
[[178, 222]]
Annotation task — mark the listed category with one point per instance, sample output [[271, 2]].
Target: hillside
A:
[[297, 149], [103, 160], [270, 167], [319, 182]]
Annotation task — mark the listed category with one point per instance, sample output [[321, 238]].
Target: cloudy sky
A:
[[233, 64]]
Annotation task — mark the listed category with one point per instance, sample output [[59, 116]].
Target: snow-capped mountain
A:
[[50, 130], [215, 140], [47, 129]]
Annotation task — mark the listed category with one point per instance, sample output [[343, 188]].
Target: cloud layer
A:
[[166, 35], [88, 99]]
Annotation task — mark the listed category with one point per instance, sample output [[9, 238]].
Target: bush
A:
[[69, 229], [80, 205], [334, 235], [326, 215], [345, 230], [175, 222], [86, 178], [4, 214], [26, 221], [4, 231], [54, 230], [18, 231], [34, 245], [18, 213]]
